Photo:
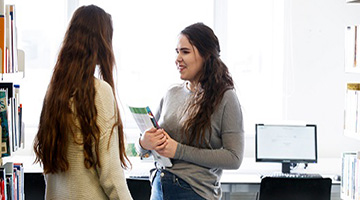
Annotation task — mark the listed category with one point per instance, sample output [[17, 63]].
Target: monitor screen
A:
[[286, 143]]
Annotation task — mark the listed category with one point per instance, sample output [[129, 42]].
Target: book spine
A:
[[5, 143], [2, 36]]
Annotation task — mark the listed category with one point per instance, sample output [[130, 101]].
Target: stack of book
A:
[[352, 110], [10, 55], [350, 182], [12, 126], [12, 181]]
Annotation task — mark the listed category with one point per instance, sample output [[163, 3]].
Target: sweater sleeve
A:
[[232, 135], [111, 174]]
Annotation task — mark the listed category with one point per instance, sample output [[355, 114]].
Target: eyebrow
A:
[[181, 49]]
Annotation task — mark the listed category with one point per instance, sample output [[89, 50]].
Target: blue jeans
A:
[[167, 186]]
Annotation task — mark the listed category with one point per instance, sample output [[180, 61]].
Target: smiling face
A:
[[188, 61]]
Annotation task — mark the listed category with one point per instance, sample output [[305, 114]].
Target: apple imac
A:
[[286, 144]]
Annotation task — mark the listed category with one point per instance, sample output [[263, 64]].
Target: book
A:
[[8, 39], [352, 49], [145, 119], [5, 137], [20, 180], [349, 188], [2, 36], [352, 110], [9, 174], [13, 42], [3, 184]]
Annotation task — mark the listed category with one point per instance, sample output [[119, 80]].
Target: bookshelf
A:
[[12, 70], [350, 173]]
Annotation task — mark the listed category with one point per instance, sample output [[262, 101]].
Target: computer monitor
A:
[[286, 144]]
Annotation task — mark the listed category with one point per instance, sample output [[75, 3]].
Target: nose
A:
[[178, 58]]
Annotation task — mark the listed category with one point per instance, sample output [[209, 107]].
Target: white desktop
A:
[[289, 145]]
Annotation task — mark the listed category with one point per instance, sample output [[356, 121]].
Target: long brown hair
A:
[[214, 81], [87, 43]]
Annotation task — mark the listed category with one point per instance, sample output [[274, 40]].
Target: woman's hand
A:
[[169, 149], [153, 139]]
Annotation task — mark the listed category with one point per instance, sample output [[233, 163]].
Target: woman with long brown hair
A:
[[201, 122], [80, 140]]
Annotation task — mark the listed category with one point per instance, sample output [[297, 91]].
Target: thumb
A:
[[166, 134], [151, 130]]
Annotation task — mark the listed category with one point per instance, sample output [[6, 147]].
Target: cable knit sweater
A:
[[107, 182]]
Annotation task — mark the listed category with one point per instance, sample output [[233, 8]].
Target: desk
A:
[[244, 180], [248, 177]]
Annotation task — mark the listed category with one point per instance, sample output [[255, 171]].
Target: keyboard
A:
[[294, 175]]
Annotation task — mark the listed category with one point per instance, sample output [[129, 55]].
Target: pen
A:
[[152, 118]]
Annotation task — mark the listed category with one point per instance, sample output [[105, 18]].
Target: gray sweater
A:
[[202, 167]]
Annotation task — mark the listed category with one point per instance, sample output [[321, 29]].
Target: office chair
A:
[[275, 188]]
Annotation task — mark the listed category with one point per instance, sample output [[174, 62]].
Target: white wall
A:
[[315, 61], [315, 80]]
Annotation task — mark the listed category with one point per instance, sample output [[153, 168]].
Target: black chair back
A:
[[274, 188]]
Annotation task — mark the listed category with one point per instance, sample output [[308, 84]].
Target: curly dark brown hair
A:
[[214, 81]]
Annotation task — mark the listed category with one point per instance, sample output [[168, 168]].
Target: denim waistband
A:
[[164, 174]]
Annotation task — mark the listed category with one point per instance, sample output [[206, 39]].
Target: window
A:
[[254, 56], [145, 36]]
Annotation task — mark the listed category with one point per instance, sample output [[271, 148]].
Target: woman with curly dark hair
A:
[[201, 122]]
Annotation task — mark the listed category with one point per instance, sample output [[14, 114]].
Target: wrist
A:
[[176, 146], [141, 144]]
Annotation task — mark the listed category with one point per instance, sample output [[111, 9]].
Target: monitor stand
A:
[[285, 168]]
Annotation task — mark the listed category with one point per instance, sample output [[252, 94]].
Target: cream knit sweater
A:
[[107, 182]]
